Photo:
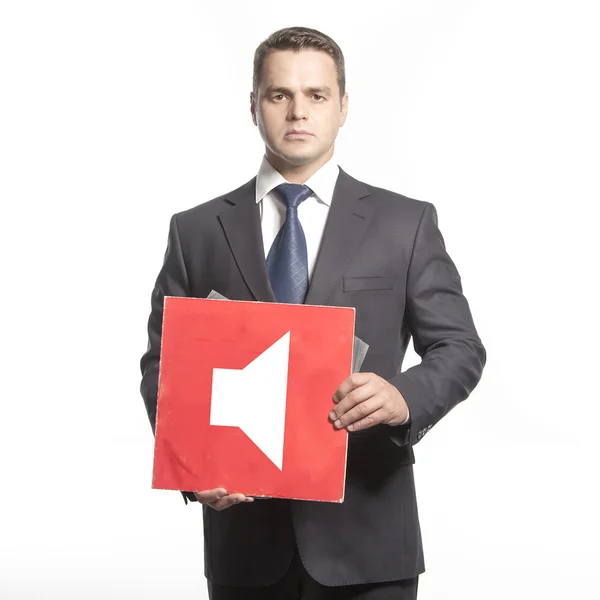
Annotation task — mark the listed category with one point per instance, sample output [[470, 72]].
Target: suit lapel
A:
[[347, 222], [241, 224]]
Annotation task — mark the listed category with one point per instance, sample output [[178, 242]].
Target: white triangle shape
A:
[[254, 399]]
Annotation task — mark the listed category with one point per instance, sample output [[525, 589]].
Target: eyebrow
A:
[[313, 90]]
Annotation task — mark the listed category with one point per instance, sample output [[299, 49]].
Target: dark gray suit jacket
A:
[[383, 254]]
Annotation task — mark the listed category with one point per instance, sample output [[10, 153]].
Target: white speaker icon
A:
[[254, 399]]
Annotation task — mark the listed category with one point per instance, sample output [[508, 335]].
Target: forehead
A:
[[303, 68]]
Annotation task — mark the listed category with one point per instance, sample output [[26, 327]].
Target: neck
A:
[[297, 173]]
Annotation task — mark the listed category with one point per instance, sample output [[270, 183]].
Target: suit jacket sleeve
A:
[[443, 332], [171, 281]]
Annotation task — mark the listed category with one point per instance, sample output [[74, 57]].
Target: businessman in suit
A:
[[303, 230]]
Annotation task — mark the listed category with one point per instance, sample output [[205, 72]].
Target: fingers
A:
[[362, 400], [355, 380], [207, 496], [230, 500], [354, 399], [352, 402], [378, 416], [363, 411], [219, 499]]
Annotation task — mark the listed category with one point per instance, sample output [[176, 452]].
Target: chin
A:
[[299, 158]]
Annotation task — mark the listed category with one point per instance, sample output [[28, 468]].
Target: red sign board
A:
[[245, 390]]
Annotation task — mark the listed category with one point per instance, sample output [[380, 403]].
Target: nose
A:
[[298, 109]]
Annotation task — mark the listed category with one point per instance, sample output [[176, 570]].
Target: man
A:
[[305, 231]]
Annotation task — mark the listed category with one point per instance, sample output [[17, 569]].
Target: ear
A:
[[344, 109], [253, 107]]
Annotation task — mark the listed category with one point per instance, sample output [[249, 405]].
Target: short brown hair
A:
[[299, 38]]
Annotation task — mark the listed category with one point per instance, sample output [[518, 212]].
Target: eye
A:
[[278, 97], [318, 97]]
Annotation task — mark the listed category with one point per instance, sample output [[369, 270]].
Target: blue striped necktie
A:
[[287, 261]]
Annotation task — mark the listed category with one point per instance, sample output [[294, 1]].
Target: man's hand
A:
[[219, 499], [364, 400]]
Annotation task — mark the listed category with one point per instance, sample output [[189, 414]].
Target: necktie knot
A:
[[293, 194]]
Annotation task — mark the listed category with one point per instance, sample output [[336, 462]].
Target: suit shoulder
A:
[[214, 206], [397, 199], [392, 200]]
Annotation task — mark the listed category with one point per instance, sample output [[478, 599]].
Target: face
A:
[[298, 109]]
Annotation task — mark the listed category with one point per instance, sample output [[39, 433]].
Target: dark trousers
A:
[[297, 584]]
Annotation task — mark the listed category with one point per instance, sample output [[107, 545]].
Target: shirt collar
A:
[[322, 183]]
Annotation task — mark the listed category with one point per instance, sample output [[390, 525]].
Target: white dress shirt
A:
[[312, 213]]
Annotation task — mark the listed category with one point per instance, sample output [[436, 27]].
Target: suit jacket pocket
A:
[[356, 284]]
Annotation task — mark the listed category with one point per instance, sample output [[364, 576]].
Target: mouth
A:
[[298, 134]]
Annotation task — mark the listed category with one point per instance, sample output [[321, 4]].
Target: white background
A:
[[115, 114]]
